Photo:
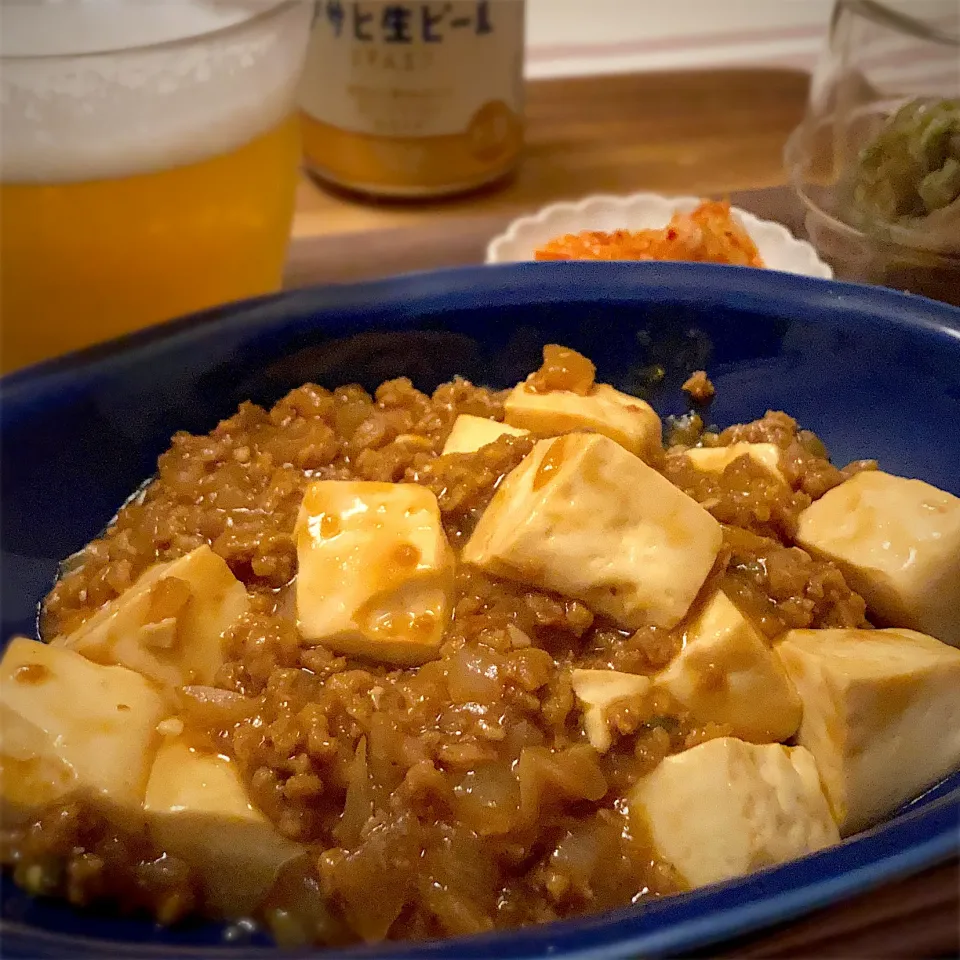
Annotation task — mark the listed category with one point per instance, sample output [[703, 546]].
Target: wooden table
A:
[[712, 132], [700, 133]]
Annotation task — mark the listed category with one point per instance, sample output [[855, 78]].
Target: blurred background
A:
[[573, 38], [290, 142]]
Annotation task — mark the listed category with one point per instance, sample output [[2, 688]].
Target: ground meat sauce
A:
[[462, 792], [699, 387], [562, 369]]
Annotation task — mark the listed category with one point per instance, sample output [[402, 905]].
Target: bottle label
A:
[[414, 94]]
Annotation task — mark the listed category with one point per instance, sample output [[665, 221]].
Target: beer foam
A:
[[189, 80], [43, 28]]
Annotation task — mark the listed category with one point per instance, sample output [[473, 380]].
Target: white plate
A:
[[778, 247]]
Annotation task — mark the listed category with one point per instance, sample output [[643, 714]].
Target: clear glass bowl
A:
[[879, 56]]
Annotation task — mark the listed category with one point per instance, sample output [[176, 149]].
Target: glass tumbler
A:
[[141, 180], [861, 187]]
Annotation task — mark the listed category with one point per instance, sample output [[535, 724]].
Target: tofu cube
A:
[[897, 542], [72, 727], [717, 459], [727, 672], [169, 625], [197, 809], [585, 518], [375, 573], [881, 715], [629, 421], [598, 692], [470, 433], [726, 808]]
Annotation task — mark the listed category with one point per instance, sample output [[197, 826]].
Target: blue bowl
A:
[[873, 372]]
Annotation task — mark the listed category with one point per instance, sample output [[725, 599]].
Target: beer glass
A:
[[145, 180]]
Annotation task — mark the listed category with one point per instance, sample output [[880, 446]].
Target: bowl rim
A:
[[506, 284], [924, 834], [705, 918]]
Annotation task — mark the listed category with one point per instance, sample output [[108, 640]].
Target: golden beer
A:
[[164, 184]]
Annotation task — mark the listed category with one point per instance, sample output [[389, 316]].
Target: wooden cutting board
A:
[[914, 918], [695, 132], [456, 241]]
